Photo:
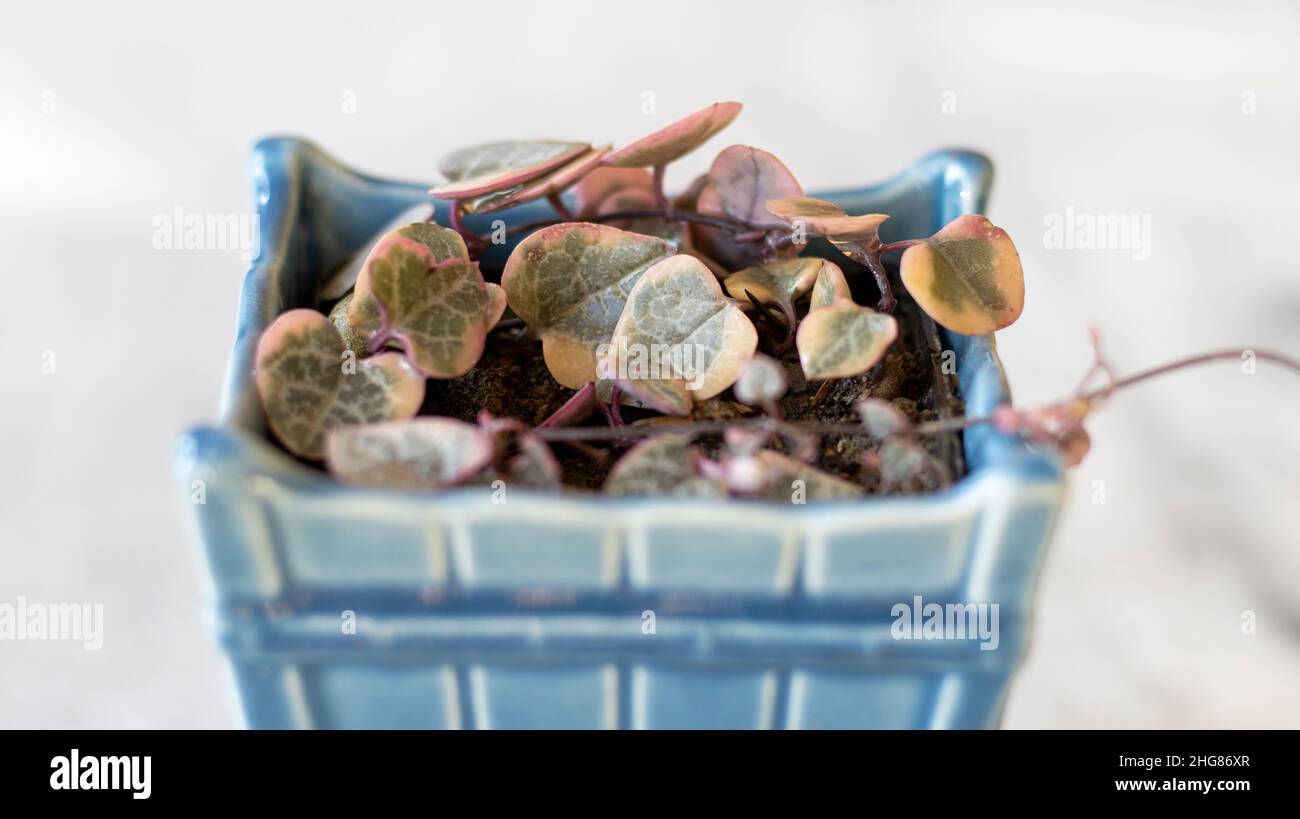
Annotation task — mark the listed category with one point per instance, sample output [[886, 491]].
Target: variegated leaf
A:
[[678, 319], [443, 243], [843, 339], [555, 181], [352, 340], [308, 385], [423, 453], [346, 276], [497, 166], [744, 179], [496, 304], [675, 140], [967, 276], [662, 465], [569, 283], [437, 312], [830, 285], [781, 282]]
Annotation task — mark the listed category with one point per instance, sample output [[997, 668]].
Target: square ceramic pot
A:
[[346, 607]]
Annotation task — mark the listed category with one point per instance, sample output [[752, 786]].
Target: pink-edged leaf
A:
[[496, 304], [600, 184], [967, 276], [843, 339], [569, 282], [497, 166], [680, 324], [309, 384], [352, 340], [821, 218], [555, 181], [437, 312], [744, 179], [443, 244], [675, 140], [662, 465], [346, 276], [420, 454]]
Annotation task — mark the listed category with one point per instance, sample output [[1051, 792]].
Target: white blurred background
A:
[[1188, 113]]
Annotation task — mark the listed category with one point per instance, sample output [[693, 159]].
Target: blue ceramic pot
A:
[[345, 607]]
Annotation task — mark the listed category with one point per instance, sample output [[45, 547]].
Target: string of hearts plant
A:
[[662, 308]]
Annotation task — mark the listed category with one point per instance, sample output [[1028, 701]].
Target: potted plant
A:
[[815, 454]]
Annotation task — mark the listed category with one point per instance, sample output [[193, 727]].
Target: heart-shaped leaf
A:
[[781, 283], [346, 276], [677, 139], [600, 184], [830, 285], [496, 166], [436, 311], [548, 183], [843, 339], [308, 386], [744, 179], [443, 243], [678, 320], [423, 453], [663, 465], [822, 218], [967, 276], [569, 283]]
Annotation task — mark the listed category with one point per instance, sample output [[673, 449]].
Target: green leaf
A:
[[830, 285], [569, 283], [352, 340], [782, 282], [843, 339], [422, 454], [662, 465], [675, 140], [345, 277], [443, 243], [309, 384], [967, 276], [436, 311], [678, 321], [744, 179], [497, 166], [555, 181], [496, 304]]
